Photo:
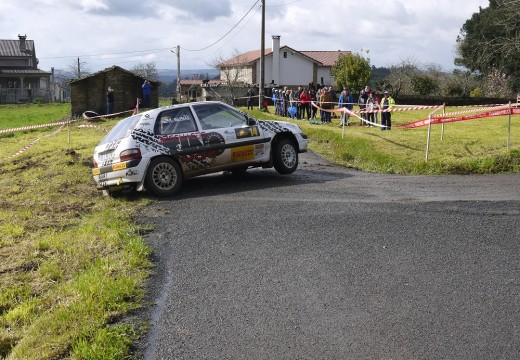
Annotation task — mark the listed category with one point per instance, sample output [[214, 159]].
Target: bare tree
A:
[[78, 68], [234, 72], [400, 77], [146, 70]]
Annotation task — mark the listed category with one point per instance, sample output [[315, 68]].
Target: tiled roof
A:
[[327, 58], [12, 48], [324, 58], [245, 58]]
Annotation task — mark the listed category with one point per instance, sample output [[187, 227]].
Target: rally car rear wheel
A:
[[285, 157], [164, 177]]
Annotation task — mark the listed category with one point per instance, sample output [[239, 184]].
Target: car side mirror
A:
[[251, 121]]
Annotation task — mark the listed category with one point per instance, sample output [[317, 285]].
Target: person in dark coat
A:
[[110, 100]]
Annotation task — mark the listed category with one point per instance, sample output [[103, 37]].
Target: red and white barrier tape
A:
[[443, 120], [35, 126], [28, 146]]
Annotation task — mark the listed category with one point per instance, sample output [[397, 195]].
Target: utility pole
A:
[[262, 62], [178, 73], [79, 69], [178, 53]]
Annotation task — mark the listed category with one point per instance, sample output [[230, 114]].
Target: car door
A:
[[177, 130], [229, 139]]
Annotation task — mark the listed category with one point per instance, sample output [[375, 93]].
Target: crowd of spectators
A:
[[297, 104]]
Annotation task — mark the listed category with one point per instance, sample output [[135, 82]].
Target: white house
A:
[[284, 66]]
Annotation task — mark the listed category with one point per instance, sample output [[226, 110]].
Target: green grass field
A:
[[74, 262]]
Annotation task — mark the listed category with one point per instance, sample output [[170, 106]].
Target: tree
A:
[[490, 44], [400, 77], [78, 68], [352, 71], [146, 70], [424, 84], [233, 72]]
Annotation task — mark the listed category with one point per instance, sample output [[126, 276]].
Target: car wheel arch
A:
[[163, 158]]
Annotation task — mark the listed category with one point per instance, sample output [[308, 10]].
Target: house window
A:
[[285, 54]]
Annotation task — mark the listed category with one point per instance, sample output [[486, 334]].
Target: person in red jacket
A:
[[305, 103]]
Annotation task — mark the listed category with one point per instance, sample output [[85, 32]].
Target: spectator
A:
[[110, 100], [386, 106], [313, 100], [305, 99], [345, 101], [362, 105], [333, 100], [296, 96], [325, 105], [370, 107], [147, 93], [250, 95]]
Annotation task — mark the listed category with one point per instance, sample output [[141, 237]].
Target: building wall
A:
[[90, 93], [324, 73], [295, 70]]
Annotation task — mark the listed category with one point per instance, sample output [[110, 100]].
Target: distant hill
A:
[[169, 75]]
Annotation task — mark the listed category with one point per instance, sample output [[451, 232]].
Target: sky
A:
[[103, 33]]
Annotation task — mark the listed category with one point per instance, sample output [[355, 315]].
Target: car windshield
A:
[[121, 130]]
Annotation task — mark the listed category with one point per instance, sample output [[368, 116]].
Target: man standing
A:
[[110, 100], [250, 95], [387, 104], [147, 93]]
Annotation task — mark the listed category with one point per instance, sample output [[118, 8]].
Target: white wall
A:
[[324, 72], [295, 70]]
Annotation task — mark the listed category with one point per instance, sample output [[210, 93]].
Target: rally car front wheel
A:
[[164, 177], [285, 157]]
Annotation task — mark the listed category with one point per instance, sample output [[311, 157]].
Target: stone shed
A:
[[89, 93]]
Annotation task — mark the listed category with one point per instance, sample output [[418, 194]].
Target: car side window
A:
[[216, 116], [175, 121]]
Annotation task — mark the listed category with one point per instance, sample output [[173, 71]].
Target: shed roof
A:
[[115, 68]]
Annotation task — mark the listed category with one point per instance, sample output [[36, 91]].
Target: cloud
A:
[[205, 10], [132, 8]]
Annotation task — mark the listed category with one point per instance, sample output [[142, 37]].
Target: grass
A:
[[74, 262], [467, 147]]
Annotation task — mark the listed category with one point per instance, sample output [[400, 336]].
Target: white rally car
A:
[[157, 149]]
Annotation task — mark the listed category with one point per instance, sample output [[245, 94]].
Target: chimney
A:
[[23, 46], [276, 60]]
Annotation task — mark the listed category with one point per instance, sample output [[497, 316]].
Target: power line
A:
[[226, 34], [151, 51]]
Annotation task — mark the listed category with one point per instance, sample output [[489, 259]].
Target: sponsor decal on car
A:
[[247, 132], [119, 166], [243, 153]]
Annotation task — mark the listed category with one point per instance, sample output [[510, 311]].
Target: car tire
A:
[[285, 157], [164, 177]]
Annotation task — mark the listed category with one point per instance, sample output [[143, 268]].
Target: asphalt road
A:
[[331, 263]]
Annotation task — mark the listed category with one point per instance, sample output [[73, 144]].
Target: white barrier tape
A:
[[35, 126], [92, 126], [27, 147], [109, 115], [345, 110]]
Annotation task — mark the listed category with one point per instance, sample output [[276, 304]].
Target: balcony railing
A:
[[15, 96]]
